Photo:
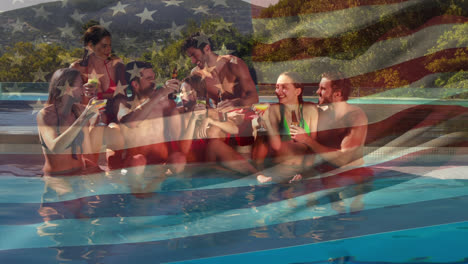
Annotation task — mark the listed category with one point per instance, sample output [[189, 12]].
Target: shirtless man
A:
[[342, 128], [228, 85], [146, 121], [226, 75]]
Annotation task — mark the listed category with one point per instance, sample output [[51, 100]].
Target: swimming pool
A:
[[412, 209], [399, 215]]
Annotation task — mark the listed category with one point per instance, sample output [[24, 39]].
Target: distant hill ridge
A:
[[41, 23]]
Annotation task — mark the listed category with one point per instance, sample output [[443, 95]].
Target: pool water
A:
[[393, 216]]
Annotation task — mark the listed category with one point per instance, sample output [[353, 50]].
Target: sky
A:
[[6, 5]]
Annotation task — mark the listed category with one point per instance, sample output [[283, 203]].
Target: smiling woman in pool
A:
[[291, 112], [63, 125]]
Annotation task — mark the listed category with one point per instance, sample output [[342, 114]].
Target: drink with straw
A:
[[260, 109], [102, 104]]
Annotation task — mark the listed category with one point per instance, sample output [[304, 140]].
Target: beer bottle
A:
[[294, 120], [173, 95]]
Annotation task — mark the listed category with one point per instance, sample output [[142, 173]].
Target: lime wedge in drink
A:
[[100, 103]]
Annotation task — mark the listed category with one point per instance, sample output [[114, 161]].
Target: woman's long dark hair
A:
[[92, 35], [197, 83], [59, 79]]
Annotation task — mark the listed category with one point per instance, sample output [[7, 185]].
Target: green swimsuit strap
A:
[[302, 123]]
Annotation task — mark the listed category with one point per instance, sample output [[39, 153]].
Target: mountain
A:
[[61, 22]]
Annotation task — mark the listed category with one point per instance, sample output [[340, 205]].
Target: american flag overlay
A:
[[406, 202]]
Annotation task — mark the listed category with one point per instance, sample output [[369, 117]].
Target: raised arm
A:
[[47, 128], [132, 118], [271, 117], [351, 146]]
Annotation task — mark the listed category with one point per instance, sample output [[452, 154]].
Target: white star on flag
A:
[[104, 23], [146, 15], [18, 26], [222, 25], [206, 71], [155, 49], [17, 59], [224, 51], [118, 8], [203, 38], [14, 91], [41, 12], [129, 42], [66, 31], [135, 72], [222, 85], [220, 2], [37, 106], [77, 16], [201, 9], [175, 30], [66, 58], [65, 90], [181, 62], [120, 89], [94, 75], [64, 3], [39, 76], [172, 3]]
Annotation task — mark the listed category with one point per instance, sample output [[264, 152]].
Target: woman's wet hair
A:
[[197, 83], [297, 82], [59, 80], [93, 35], [197, 41]]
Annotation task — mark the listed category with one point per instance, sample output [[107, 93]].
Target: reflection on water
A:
[[81, 215]]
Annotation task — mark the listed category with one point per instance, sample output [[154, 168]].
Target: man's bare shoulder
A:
[[307, 106], [356, 115]]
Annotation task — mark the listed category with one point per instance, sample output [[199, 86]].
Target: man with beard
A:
[[228, 84], [342, 128], [150, 122], [226, 76]]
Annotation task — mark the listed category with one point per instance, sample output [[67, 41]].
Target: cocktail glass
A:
[[102, 108], [260, 109]]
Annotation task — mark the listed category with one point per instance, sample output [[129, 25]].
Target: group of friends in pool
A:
[[99, 101]]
